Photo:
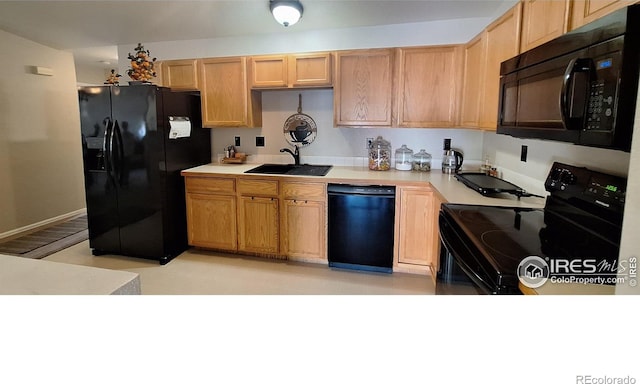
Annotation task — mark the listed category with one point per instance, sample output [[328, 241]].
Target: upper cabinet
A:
[[543, 20], [180, 74], [310, 70], [502, 43], [473, 82], [363, 88], [226, 98], [482, 57], [586, 11], [428, 86]]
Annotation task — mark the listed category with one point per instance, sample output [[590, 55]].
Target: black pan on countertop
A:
[[488, 185]]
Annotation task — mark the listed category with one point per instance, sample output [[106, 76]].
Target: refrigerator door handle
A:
[[118, 164], [108, 146]]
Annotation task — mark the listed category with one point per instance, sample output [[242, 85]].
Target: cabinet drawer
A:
[[304, 191], [211, 185], [253, 187]]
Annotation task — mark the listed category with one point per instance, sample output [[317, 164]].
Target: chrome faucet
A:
[[295, 154]]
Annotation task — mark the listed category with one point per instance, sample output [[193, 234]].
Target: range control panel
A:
[[600, 189]]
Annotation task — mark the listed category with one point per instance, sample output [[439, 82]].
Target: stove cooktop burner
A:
[[504, 236]]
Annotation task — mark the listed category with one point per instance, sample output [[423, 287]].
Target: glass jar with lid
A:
[[380, 155], [422, 161], [404, 157]]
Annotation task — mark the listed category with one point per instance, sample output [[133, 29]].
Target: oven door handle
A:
[[479, 281], [567, 99]]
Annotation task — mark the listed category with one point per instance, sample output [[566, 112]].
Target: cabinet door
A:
[[543, 20], [226, 99], [211, 221], [586, 11], [428, 86], [502, 43], [310, 70], [180, 74], [364, 88], [417, 227], [304, 229], [473, 83], [258, 224], [269, 71]]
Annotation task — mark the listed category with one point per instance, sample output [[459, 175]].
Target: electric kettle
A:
[[451, 159]]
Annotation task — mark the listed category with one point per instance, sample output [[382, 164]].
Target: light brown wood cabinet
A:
[[502, 43], [543, 20], [180, 74], [586, 11], [304, 221], [226, 98], [258, 219], [417, 241], [428, 86], [363, 88], [473, 82], [211, 212], [483, 54], [308, 70]]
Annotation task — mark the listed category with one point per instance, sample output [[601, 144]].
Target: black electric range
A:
[[576, 234]]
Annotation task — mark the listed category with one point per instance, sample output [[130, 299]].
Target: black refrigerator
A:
[[135, 141]]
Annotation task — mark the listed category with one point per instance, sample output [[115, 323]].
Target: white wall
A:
[[630, 242], [331, 143], [40, 151], [504, 151]]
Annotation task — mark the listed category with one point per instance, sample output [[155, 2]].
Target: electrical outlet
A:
[[523, 153], [369, 141], [259, 141], [237, 141]]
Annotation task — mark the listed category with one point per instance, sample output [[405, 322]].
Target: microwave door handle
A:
[[564, 92], [574, 93]]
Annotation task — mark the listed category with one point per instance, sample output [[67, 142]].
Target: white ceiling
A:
[[93, 29]]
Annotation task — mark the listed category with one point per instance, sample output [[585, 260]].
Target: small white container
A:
[[404, 157]]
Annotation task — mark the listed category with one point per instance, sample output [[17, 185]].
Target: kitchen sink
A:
[[291, 169]]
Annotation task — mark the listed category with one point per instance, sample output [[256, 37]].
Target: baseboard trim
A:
[[41, 224]]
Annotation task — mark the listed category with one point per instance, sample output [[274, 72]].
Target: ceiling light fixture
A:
[[286, 12]]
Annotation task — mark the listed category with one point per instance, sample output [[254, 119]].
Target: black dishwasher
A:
[[361, 227]]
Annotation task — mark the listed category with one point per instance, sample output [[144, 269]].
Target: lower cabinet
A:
[[211, 221], [417, 241], [258, 224], [304, 221]]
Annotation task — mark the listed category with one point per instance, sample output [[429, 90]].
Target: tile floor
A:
[[200, 272]]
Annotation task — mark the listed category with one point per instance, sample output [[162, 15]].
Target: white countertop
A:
[[22, 276], [447, 186]]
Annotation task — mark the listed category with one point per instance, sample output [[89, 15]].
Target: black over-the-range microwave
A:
[[580, 87]]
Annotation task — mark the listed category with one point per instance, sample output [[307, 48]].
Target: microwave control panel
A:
[[603, 93], [600, 116]]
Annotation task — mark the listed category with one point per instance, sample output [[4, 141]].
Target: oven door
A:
[[547, 100], [455, 275]]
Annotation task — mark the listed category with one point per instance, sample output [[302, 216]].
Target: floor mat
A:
[[42, 243]]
